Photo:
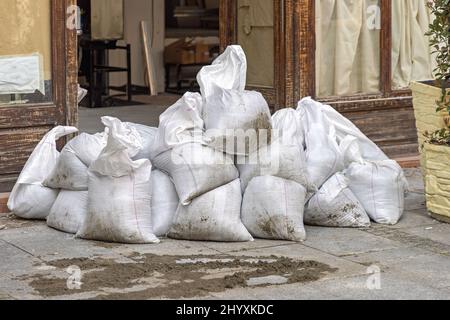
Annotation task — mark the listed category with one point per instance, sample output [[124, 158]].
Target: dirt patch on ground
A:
[[151, 276], [10, 221]]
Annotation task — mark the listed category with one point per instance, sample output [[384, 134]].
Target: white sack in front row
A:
[[214, 216], [196, 169], [335, 205], [229, 111], [273, 209], [119, 204], [68, 211], [29, 199], [70, 173], [380, 186], [164, 203]]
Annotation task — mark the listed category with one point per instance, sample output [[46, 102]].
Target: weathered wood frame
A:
[[22, 126], [295, 71]]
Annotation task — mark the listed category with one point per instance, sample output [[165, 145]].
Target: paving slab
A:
[[302, 252], [343, 242], [439, 233], [415, 218]]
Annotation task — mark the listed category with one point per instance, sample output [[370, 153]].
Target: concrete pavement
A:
[[408, 261]]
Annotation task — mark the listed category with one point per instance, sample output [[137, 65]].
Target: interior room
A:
[[140, 53]]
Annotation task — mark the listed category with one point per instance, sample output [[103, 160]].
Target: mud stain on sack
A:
[[151, 276]]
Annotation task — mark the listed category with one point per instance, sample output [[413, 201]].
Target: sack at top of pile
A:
[[229, 111]]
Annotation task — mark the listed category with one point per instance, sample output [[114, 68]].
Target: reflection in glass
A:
[[25, 31], [347, 47], [256, 36]]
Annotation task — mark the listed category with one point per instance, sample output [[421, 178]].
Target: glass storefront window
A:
[[347, 47], [25, 52]]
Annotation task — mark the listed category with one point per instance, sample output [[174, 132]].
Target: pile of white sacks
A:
[[218, 168]]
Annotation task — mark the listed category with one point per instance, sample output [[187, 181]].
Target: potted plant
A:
[[433, 124]]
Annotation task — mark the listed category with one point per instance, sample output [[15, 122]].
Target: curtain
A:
[[348, 45], [256, 36], [411, 53]]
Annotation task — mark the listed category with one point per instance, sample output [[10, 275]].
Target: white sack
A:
[[312, 111], [214, 216], [335, 205], [148, 135], [70, 173], [196, 169], [237, 123], [119, 203], [289, 124], [278, 160], [29, 199], [323, 156], [164, 203], [273, 209], [181, 123], [228, 71], [68, 211], [229, 111], [380, 186]]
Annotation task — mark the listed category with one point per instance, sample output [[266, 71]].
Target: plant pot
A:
[[427, 119], [437, 180]]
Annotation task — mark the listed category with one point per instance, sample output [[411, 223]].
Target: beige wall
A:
[[25, 28], [135, 12]]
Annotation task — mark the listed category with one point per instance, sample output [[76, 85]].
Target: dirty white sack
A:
[[278, 160], [148, 135], [68, 211], [323, 156], [380, 186], [70, 172], [335, 205], [273, 209], [312, 111], [180, 124], [119, 202], [164, 203], [288, 123], [196, 169], [229, 111], [29, 198], [214, 216]]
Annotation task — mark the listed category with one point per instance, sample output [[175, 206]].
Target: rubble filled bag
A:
[[214, 216], [68, 211], [312, 112], [148, 135], [30, 199], [288, 123], [229, 111], [196, 169], [323, 156], [119, 202], [335, 205], [164, 203], [70, 172], [180, 124], [380, 186], [273, 208], [278, 160]]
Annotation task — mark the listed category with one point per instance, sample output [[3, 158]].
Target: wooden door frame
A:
[[291, 36], [296, 57], [23, 120]]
